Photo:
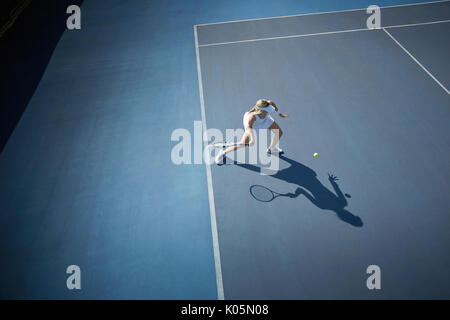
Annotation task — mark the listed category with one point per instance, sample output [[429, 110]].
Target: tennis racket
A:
[[224, 145]]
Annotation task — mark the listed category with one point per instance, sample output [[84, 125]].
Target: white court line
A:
[[212, 207], [417, 24], [319, 13], [318, 33], [281, 37], [412, 57]]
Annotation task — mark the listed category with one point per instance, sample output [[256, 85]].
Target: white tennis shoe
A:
[[275, 150], [219, 157]]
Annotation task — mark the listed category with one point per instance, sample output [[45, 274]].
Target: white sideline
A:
[[212, 207]]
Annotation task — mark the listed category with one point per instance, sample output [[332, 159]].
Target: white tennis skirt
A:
[[259, 124]]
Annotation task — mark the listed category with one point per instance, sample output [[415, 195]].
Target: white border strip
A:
[[212, 207], [318, 13], [318, 33], [415, 60]]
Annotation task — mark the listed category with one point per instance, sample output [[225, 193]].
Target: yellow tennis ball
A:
[[315, 155]]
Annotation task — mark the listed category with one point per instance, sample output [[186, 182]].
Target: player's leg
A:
[[242, 143], [277, 133], [245, 140]]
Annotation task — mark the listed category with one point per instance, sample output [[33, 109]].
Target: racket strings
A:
[[262, 193]]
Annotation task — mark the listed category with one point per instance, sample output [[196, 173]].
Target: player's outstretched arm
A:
[[276, 109]]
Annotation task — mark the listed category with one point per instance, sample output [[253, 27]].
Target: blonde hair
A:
[[261, 103]]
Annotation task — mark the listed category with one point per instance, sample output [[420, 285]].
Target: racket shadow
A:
[[311, 188], [264, 194]]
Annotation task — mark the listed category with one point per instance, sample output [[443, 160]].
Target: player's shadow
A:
[[313, 189]]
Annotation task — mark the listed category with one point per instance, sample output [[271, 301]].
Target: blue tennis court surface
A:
[[378, 121], [86, 178]]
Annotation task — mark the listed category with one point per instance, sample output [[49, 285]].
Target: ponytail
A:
[[255, 108]]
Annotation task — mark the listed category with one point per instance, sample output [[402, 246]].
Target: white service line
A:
[[319, 13], [417, 24], [319, 33], [212, 207], [417, 61], [281, 37]]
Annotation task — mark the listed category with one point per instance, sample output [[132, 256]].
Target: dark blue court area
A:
[[87, 179]]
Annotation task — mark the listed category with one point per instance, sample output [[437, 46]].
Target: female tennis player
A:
[[258, 118]]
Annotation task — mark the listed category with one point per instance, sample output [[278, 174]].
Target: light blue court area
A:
[[86, 178]]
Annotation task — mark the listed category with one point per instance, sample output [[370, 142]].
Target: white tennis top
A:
[[260, 123]]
